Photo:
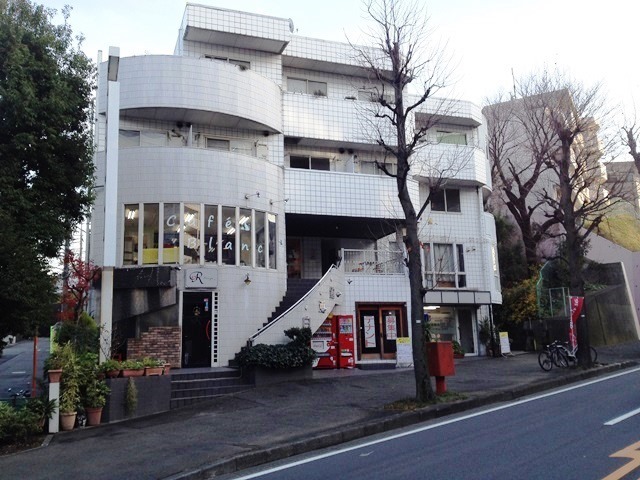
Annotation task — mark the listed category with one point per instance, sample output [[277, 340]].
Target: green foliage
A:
[[96, 392], [132, 365], [296, 353], [70, 380], [622, 229], [152, 362], [109, 365], [42, 406], [457, 348], [513, 264], [18, 425], [46, 155], [131, 398], [519, 304], [84, 335]]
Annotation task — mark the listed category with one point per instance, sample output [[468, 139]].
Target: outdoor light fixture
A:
[[248, 195], [247, 281], [271, 202]]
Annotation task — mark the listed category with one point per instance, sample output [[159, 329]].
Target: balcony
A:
[[196, 91], [373, 262], [318, 120], [462, 164]]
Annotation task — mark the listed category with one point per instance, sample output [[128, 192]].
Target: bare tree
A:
[[631, 135], [572, 126], [517, 156], [400, 127]]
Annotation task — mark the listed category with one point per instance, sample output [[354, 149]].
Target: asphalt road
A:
[[579, 432], [16, 366]]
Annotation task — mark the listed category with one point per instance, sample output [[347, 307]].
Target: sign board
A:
[[505, 346], [404, 352], [390, 323], [576, 308], [200, 278], [369, 332]]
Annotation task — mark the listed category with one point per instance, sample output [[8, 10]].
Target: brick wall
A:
[[158, 342]]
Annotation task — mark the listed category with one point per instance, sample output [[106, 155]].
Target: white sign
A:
[[200, 278], [404, 352], [369, 331], [505, 346]]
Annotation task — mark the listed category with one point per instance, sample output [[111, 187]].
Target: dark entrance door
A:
[[196, 329], [380, 326]]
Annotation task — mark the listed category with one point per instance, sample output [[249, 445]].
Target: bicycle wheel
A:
[[594, 355], [544, 360], [560, 359]]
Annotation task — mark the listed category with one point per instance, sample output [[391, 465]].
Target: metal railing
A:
[[373, 262]]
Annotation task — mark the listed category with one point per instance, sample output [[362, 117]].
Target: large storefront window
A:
[[211, 234], [195, 234], [260, 241], [244, 225], [191, 253], [271, 219], [171, 239], [150, 233], [130, 250], [229, 235]]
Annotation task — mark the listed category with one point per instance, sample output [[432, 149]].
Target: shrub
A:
[[17, 425], [84, 335], [296, 353], [131, 398]]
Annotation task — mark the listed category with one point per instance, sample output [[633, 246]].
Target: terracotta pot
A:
[[54, 375], [152, 371], [94, 415], [113, 373], [167, 369], [67, 421], [133, 373]]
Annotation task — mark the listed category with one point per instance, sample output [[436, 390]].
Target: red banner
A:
[[576, 308]]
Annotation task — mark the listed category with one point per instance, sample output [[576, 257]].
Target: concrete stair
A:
[[296, 289], [196, 385]]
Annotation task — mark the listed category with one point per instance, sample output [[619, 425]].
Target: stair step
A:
[[204, 383], [209, 391]]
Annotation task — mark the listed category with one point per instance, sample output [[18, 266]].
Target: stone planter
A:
[[128, 372], [152, 371], [268, 376]]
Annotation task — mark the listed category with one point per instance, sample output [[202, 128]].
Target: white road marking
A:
[[18, 373], [623, 417], [435, 425]]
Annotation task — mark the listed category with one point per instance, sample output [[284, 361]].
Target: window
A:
[[310, 87], [452, 138], [217, 144], [211, 234], [193, 234], [309, 163], [191, 241], [130, 250], [374, 96], [151, 232], [244, 224], [447, 200], [444, 265], [129, 138]]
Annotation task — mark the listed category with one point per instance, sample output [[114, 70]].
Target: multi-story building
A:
[[247, 178]]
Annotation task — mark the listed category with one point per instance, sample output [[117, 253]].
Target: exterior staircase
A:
[[296, 289], [201, 384]]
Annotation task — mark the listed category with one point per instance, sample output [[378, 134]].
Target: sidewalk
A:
[[269, 423]]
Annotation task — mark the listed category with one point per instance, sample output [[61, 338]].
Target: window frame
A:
[[437, 279], [308, 87], [450, 198]]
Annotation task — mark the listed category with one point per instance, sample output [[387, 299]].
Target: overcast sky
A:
[[593, 41]]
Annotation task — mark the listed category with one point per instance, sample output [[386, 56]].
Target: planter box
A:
[[154, 395], [261, 376]]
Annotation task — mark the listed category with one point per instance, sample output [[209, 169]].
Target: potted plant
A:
[[69, 385], [53, 366], [152, 367], [111, 368], [132, 368], [458, 351], [95, 400], [43, 408]]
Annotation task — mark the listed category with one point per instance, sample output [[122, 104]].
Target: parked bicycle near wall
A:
[[559, 354]]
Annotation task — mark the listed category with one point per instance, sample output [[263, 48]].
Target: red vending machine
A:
[[346, 345], [324, 343]]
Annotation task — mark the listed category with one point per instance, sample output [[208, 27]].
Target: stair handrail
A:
[[283, 314]]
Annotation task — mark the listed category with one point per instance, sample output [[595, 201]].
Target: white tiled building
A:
[[246, 173]]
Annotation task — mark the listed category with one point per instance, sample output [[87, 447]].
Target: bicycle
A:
[[573, 354], [553, 354]]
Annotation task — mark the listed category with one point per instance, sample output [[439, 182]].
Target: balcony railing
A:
[[373, 262]]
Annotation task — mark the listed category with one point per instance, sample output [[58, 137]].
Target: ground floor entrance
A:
[[199, 329], [379, 325]]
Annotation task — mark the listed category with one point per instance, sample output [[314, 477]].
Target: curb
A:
[[323, 440]]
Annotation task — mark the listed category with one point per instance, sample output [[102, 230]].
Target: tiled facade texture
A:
[[247, 163]]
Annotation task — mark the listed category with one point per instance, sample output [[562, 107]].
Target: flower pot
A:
[[152, 371], [54, 375], [94, 415], [167, 369], [133, 373], [67, 421], [113, 373]]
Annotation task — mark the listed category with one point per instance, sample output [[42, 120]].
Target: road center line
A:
[[436, 425], [623, 417]]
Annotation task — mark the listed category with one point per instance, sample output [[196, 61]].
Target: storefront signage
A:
[[390, 323], [200, 278], [369, 331], [404, 352], [505, 346], [576, 308]]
